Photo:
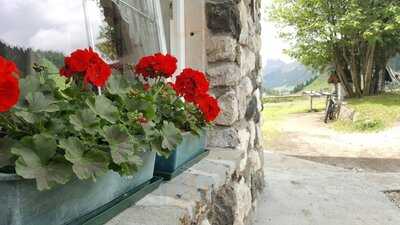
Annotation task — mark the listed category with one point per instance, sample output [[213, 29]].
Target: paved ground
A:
[[301, 192]]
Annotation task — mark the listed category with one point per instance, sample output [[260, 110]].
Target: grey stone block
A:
[[221, 48], [223, 17], [224, 74], [229, 109]]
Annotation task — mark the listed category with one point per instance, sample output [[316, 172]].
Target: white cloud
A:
[[46, 24]]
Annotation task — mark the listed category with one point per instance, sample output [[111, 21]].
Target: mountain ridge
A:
[[280, 75]]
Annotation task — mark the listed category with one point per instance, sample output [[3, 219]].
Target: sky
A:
[[46, 24], [272, 45]]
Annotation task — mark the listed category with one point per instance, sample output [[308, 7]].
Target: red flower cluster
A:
[[156, 65], [209, 106], [88, 63], [190, 84], [9, 85], [193, 86]]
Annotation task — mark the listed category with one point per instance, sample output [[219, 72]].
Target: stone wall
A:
[[234, 64], [223, 188]]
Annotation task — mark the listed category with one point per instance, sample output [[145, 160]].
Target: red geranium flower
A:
[[165, 64], [191, 83], [208, 105], [88, 63], [156, 65], [145, 66], [9, 85], [66, 72], [8, 67], [80, 59], [98, 72]]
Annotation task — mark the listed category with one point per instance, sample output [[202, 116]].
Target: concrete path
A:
[[300, 192]]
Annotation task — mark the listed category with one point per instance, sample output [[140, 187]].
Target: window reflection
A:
[[40, 31], [129, 30], [45, 31]]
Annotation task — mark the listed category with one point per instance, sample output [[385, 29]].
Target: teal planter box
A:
[[191, 148], [23, 204]]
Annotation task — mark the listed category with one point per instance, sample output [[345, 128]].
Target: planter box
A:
[[186, 154], [23, 204]]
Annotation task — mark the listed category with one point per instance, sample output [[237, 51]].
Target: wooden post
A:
[[311, 103]]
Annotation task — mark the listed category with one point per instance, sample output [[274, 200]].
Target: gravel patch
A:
[[394, 197]]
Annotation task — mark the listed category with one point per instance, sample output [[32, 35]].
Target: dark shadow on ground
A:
[[364, 164]]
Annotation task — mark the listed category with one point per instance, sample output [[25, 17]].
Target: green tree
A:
[[358, 37]]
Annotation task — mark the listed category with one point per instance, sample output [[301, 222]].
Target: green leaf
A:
[[103, 107], [37, 161], [124, 148], [86, 163], [46, 176], [45, 146], [149, 129], [27, 116], [117, 84], [41, 146], [58, 125], [144, 105], [130, 169], [5, 151], [37, 102], [115, 134], [85, 120], [29, 84], [171, 136], [156, 145]]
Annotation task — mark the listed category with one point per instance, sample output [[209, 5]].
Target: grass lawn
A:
[[374, 113], [275, 113]]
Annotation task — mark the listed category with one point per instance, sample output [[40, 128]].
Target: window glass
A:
[[32, 31], [129, 30], [44, 31]]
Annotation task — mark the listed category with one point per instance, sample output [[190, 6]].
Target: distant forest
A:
[[24, 58]]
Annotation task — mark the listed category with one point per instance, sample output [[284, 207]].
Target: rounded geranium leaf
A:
[[172, 136], [37, 160], [87, 163], [104, 108]]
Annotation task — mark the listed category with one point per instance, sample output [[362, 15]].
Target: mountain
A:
[[280, 75]]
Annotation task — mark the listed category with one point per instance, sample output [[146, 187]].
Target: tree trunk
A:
[[340, 70], [381, 80], [375, 80], [350, 59], [355, 72], [369, 66]]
